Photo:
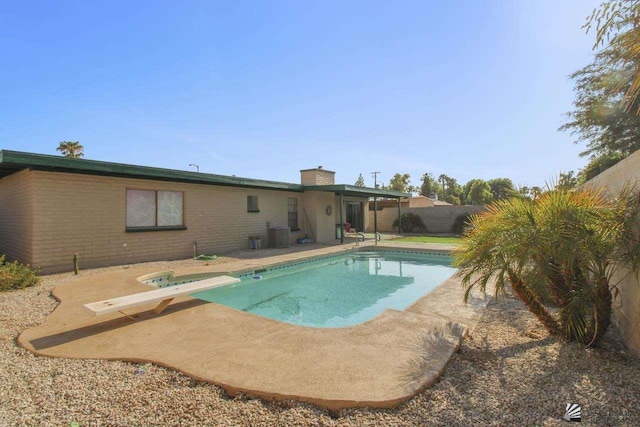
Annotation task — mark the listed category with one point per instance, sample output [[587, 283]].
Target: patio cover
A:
[[342, 190]]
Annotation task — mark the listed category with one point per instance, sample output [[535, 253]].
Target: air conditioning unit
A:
[[278, 237]]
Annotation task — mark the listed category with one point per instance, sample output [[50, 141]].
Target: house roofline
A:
[[15, 161]]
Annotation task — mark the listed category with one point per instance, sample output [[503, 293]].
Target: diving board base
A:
[[163, 295], [160, 308]]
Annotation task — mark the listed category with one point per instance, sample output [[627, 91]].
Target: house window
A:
[[252, 204], [293, 213], [155, 210]]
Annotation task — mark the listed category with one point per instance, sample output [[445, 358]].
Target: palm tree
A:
[[71, 149], [562, 247], [443, 180]]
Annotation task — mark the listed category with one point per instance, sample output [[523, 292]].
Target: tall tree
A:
[[501, 188], [454, 191], [428, 185], [400, 182], [597, 118], [71, 149], [466, 190], [567, 181], [480, 193], [360, 181], [606, 105], [443, 180], [536, 192], [617, 25], [524, 191]]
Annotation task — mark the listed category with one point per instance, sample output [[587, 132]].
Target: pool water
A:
[[338, 291]]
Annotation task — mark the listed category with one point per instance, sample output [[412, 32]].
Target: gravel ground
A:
[[508, 372]]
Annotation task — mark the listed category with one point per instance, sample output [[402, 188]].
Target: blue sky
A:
[[262, 89]]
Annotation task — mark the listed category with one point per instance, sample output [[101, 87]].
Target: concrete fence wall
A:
[[437, 219], [627, 303]]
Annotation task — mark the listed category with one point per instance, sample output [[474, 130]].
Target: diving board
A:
[[163, 295]]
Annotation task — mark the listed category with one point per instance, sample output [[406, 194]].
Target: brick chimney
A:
[[317, 176]]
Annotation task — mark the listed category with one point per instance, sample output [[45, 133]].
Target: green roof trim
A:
[[355, 191], [14, 161]]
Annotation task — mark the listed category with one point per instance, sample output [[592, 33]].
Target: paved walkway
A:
[[378, 363]]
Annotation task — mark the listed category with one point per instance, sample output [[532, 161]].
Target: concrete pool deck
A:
[[379, 363]]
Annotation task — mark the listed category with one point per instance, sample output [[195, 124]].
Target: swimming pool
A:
[[337, 291]]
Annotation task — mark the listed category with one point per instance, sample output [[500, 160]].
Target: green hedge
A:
[[461, 222], [411, 223]]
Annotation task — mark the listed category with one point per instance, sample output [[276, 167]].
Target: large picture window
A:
[[293, 214], [154, 210]]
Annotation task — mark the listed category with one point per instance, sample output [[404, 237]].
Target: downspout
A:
[[341, 222]]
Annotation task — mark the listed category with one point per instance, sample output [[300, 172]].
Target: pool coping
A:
[[379, 363]]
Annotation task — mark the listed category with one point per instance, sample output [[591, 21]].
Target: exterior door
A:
[[354, 215]]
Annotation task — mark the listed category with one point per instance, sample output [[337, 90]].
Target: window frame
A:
[[257, 205], [135, 229], [297, 212]]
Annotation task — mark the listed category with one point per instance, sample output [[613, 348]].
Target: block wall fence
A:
[[627, 303], [437, 219]]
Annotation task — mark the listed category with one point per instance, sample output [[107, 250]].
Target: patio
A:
[[379, 363]]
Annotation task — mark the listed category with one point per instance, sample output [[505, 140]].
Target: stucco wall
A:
[[437, 219], [16, 216], [627, 304], [85, 214]]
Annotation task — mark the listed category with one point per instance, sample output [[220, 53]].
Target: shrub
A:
[[411, 222], [461, 222], [15, 275], [563, 247]]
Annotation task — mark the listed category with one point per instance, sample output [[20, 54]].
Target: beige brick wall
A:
[[85, 214], [627, 303], [322, 225], [16, 216]]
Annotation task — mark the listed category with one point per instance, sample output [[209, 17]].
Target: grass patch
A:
[[430, 239]]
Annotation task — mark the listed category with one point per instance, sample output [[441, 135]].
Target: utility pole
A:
[[375, 208], [375, 179], [197, 166]]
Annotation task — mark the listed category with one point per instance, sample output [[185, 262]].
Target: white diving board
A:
[[164, 295]]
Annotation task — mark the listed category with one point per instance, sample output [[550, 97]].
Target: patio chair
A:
[[350, 230]]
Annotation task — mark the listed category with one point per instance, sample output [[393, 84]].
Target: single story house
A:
[[53, 207]]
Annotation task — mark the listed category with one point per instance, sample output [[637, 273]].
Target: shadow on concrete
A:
[[61, 338], [433, 348]]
